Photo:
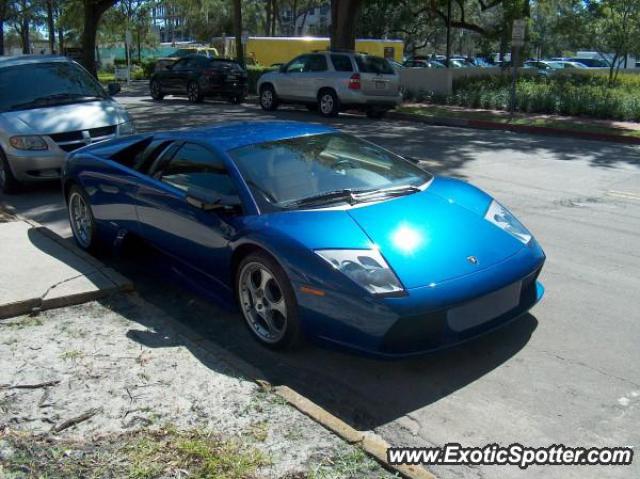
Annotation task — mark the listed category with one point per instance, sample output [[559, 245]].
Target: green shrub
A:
[[254, 73], [566, 93]]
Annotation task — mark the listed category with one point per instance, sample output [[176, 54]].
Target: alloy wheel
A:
[[81, 220], [263, 303], [194, 92], [326, 104], [267, 98]]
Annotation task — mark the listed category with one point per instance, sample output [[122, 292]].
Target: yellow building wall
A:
[[269, 50]]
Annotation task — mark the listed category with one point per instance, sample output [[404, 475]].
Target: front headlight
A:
[[367, 268], [28, 142], [502, 217], [126, 128]]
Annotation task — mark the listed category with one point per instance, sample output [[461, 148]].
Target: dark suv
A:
[[198, 76]]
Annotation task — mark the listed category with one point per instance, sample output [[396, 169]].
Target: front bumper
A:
[[429, 318], [36, 165]]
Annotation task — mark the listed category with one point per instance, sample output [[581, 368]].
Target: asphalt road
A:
[[565, 374]]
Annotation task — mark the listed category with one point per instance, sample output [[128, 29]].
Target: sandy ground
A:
[[119, 360]]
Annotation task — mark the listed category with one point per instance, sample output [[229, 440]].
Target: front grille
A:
[[72, 140]]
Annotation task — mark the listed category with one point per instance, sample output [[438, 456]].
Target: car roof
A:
[[27, 59], [228, 136]]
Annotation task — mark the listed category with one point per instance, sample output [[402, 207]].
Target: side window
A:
[[316, 63], [341, 63], [198, 171], [182, 64], [150, 154], [297, 65]]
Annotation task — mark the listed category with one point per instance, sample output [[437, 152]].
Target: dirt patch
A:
[[126, 375]]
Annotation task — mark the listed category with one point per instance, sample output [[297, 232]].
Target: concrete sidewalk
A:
[[40, 270]]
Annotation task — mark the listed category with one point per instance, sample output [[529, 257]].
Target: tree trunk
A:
[[267, 23], [93, 11], [275, 16], [343, 19], [51, 27], [237, 26], [26, 47], [3, 10]]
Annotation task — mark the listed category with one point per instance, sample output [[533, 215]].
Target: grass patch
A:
[[139, 455], [106, 77], [569, 123], [351, 463]]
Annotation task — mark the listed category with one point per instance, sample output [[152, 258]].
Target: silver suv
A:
[[333, 81]]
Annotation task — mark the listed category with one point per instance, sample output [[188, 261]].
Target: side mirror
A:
[[113, 89], [218, 203]]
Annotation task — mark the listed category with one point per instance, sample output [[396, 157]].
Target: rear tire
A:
[[8, 183], [328, 103], [83, 224], [268, 98], [264, 293], [156, 90], [194, 93]]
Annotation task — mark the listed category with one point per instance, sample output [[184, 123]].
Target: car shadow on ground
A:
[[364, 392]]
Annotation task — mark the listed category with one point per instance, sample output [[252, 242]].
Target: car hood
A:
[[62, 118], [429, 237]]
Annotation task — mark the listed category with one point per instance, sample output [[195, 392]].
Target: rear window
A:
[[341, 63], [226, 65], [371, 64]]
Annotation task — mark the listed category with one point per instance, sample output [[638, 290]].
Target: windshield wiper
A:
[[52, 100], [391, 191], [352, 196], [346, 194]]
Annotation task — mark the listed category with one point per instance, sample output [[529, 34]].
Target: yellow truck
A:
[[267, 51]]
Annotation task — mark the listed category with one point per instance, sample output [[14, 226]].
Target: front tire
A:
[[194, 93], [8, 183], [267, 302], [156, 90], [268, 98], [328, 103], [83, 224]]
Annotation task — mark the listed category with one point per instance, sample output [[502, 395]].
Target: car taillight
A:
[[354, 82], [209, 73]]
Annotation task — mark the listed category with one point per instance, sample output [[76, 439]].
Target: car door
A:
[[180, 74], [197, 238], [313, 77], [289, 87]]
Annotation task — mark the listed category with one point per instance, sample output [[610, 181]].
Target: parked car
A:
[[197, 77], [333, 81], [50, 106], [163, 62], [312, 233], [591, 62], [423, 64]]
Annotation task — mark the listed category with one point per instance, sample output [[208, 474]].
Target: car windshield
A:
[[324, 169], [371, 64], [37, 85]]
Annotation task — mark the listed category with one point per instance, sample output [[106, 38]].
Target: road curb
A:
[[31, 305], [527, 129], [371, 443]]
